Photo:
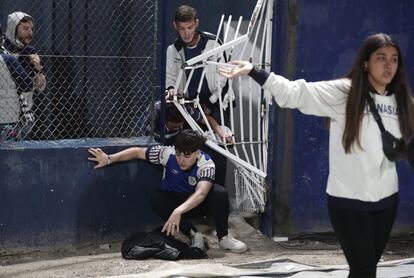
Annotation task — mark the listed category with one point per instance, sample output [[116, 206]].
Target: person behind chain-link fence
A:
[[18, 37], [15, 83], [174, 121], [187, 188], [362, 190]]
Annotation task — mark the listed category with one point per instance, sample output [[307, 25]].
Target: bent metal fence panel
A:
[[246, 102], [100, 62]]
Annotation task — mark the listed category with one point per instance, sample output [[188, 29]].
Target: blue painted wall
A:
[[328, 35], [50, 194]]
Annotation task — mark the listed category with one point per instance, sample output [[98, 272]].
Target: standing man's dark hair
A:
[[185, 13]]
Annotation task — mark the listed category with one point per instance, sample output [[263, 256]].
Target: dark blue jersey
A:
[[177, 180]]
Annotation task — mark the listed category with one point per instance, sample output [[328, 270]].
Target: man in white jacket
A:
[[190, 43], [18, 37], [15, 84]]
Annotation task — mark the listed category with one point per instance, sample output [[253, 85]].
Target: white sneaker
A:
[[197, 240], [234, 245]]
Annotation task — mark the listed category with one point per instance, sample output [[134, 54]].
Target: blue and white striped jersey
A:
[[175, 179]]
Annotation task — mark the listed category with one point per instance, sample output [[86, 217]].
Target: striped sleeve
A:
[[159, 154], [206, 170]]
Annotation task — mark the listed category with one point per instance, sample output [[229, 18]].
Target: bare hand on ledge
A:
[[99, 156]]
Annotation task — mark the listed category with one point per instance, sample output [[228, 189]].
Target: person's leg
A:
[[8, 132], [355, 233], [221, 168], [219, 209], [383, 222], [217, 205], [164, 203]]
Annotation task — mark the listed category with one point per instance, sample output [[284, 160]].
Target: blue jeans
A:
[[15, 131], [8, 132]]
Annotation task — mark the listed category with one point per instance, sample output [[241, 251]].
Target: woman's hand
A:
[[240, 68], [99, 156]]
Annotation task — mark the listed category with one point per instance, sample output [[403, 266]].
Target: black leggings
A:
[[363, 236], [216, 204]]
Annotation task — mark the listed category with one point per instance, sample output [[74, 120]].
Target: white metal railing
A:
[[249, 149]]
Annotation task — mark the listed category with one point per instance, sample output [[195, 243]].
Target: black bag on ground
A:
[[158, 245]]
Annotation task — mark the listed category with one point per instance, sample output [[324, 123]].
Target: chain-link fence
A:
[[99, 59]]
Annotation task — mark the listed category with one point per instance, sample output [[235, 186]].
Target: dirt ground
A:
[[106, 260]]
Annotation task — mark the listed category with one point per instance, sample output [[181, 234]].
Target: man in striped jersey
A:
[[187, 188]]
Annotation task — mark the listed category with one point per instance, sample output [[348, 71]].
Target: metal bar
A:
[[218, 49], [234, 158], [227, 29], [235, 37], [251, 121], [188, 81]]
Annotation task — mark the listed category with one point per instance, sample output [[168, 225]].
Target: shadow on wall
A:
[[115, 202]]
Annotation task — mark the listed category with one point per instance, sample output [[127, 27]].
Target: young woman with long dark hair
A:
[[362, 189]]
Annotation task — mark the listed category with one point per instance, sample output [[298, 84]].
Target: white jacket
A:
[[13, 77], [364, 174], [9, 99], [14, 46], [176, 58], [12, 21]]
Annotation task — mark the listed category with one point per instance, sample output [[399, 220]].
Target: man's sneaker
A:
[[234, 245], [197, 240]]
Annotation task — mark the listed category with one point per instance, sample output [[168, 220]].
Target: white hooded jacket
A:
[[12, 21]]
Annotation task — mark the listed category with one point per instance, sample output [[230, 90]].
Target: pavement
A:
[[315, 255]]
